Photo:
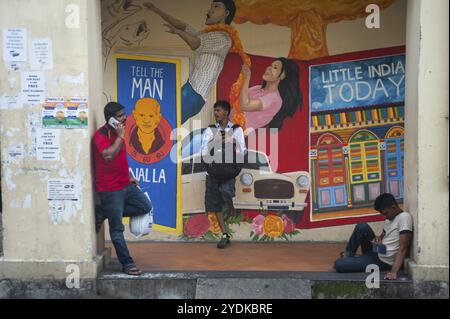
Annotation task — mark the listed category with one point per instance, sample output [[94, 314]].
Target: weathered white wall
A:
[[33, 245], [426, 126]]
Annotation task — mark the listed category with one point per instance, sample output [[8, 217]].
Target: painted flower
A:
[[214, 223], [258, 224], [289, 225], [196, 226], [273, 226]]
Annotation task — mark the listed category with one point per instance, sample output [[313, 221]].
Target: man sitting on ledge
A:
[[388, 250]]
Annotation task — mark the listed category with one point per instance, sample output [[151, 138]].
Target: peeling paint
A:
[[12, 82], [88, 247], [14, 154], [8, 176], [11, 132], [78, 79], [26, 204], [38, 170], [34, 122], [14, 204], [78, 152], [27, 201], [63, 173], [82, 219]]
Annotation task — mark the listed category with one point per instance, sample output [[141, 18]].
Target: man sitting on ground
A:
[[388, 250]]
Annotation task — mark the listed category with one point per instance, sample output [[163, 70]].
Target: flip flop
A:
[[132, 271]]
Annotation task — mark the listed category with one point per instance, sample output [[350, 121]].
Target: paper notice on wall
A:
[[59, 112], [63, 189], [15, 153], [34, 123], [41, 54], [56, 211], [15, 45], [48, 147], [15, 66], [10, 102], [33, 87]]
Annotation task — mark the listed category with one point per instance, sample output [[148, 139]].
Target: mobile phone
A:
[[113, 122], [379, 248]]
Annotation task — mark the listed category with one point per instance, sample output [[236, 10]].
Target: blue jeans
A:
[[127, 202], [362, 236], [191, 102]]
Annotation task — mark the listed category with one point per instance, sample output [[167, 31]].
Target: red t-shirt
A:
[[109, 176]]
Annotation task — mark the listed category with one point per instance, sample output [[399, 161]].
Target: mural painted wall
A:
[[149, 88], [356, 136], [277, 193]]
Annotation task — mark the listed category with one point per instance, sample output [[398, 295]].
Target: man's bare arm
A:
[[111, 152], [192, 41], [166, 17], [405, 241]]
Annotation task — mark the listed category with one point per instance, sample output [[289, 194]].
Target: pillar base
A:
[[52, 269], [428, 272]]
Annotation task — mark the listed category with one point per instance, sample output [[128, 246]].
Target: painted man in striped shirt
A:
[[210, 50]]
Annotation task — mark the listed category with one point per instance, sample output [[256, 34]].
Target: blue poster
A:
[[359, 83], [149, 88]]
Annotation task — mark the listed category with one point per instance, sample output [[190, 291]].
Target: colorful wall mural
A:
[[356, 133], [308, 20], [149, 88], [319, 161]]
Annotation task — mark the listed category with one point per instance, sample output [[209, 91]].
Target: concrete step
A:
[[239, 285], [248, 285]]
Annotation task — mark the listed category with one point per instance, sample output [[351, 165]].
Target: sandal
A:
[[132, 271]]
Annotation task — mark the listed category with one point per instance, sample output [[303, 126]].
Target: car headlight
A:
[[246, 179], [302, 181]]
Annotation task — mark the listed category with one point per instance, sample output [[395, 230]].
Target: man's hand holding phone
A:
[[119, 127]]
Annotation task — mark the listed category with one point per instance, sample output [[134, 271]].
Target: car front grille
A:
[[274, 188]]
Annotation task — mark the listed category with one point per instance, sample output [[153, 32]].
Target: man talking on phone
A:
[[117, 188]]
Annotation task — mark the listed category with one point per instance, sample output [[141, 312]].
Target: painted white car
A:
[[257, 186]]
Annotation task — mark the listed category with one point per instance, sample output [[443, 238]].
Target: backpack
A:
[[222, 170]]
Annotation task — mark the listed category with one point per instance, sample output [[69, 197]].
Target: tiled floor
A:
[[239, 256]]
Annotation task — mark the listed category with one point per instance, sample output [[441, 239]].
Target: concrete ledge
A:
[[255, 288], [46, 289], [52, 269], [421, 273], [224, 285], [135, 288], [358, 290], [5, 289]]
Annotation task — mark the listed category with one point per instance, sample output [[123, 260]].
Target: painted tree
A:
[[307, 19]]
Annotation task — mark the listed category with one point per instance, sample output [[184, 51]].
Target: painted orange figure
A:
[[146, 138]]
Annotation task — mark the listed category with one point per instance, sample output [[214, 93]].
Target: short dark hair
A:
[[224, 105], [384, 201], [231, 7], [111, 109]]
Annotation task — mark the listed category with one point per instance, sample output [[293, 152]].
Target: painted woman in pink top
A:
[[278, 97]]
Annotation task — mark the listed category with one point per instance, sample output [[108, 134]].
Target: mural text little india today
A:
[[356, 135]]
